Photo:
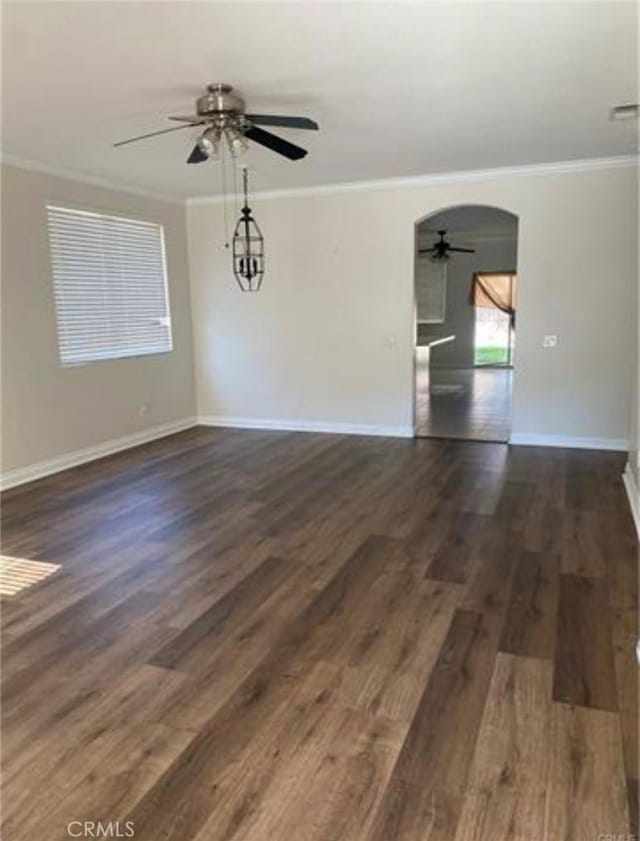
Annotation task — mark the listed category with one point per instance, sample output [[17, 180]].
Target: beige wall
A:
[[47, 410], [329, 339]]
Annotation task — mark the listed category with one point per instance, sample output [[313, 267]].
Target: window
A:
[[431, 291], [493, 294], [110, 286]]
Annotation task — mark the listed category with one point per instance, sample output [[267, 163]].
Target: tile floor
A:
[[471, 403]]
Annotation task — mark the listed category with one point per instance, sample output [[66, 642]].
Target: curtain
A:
[[495, 289]]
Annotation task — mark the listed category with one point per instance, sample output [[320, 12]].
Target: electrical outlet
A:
[[549, 341], [143, 411]]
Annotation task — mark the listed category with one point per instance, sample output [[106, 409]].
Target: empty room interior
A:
[[320, 420]]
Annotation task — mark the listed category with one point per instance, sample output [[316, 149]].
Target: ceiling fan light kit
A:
[[209, 143], [237, 142]]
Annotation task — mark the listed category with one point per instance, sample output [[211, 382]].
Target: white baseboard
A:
[[21, 475], [306, 426], [569, 441], [633, 492]]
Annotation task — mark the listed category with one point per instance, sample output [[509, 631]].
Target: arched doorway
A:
[[466, 290]]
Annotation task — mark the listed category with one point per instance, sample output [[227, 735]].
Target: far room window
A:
[[110, 282], [494, 294]]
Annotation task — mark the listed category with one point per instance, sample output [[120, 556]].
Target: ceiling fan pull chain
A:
[[236, 200], [223, 164]]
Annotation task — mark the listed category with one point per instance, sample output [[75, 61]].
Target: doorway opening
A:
[[465, 339]]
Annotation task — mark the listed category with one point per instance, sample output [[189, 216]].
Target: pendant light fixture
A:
[[248, 246]]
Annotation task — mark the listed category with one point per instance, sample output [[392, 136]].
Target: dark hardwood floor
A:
[[263, 636]]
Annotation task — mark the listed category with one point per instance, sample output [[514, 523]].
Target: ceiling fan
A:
[[441, 249], [222, 114]]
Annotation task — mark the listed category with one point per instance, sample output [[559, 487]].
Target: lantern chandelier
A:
[[248, 246]]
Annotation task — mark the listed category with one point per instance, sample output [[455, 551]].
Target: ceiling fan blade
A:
[[286, 122], [465, 250], [275, 143], [197, 156], [194, 119], [151, 134], [426, 250]]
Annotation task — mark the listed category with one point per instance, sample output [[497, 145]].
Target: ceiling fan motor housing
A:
[[219, 100]]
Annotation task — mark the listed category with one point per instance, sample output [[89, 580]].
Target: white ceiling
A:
[[399, 88]]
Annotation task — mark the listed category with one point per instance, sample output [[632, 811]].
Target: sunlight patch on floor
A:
[[16, 574]]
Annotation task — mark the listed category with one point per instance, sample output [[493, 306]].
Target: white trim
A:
[[21, 475], [568, 441], [306, 426], [438, 179], [85, 178], [412, 181], [633, 493]]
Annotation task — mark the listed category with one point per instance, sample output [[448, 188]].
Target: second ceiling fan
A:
[[441, 249], [223, 115]]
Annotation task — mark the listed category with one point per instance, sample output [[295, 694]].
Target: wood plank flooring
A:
[[472, 404], [264, 636]]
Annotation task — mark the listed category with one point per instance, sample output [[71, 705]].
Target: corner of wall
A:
[[194, 379], [633, 494]]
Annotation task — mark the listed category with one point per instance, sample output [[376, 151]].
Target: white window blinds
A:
[[110, 285]]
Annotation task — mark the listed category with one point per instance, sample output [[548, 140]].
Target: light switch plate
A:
[[550, 341]]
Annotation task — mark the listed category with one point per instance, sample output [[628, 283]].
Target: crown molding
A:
[[84, 178], [408, 182], [438, 179]]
